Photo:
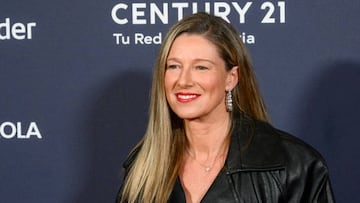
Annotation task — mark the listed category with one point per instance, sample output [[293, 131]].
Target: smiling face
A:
[[196, 79]]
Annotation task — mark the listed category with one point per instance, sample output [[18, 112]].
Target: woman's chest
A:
[[239, 187]]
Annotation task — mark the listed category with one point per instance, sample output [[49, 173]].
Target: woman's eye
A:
[[172, 66], [201, 68]]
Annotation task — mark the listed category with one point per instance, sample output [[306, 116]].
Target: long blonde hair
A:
[[154, 171]]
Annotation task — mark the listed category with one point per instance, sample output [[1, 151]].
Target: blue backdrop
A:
[[75, 79]]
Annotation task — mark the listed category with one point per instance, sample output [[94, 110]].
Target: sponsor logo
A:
[[19, 130], [152, 13], [17, 31]]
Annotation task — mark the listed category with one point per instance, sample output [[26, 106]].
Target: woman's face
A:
[[196, 78]]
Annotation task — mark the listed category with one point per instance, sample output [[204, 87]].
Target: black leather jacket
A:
[[267, 165]]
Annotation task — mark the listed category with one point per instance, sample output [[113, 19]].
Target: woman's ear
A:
[[232, 78]]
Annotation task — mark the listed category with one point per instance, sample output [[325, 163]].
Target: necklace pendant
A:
[[207, 169]]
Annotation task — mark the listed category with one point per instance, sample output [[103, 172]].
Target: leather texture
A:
[[265, 165]]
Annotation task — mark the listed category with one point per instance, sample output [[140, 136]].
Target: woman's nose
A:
[[185, 77]]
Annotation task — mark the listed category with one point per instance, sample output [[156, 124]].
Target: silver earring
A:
[[228, 101]]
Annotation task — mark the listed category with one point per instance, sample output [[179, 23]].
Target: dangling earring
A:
[[228, 101]]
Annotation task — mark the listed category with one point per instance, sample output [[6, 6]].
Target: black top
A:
[[265, 165]]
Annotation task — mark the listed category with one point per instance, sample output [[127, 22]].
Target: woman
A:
[[208, 137]]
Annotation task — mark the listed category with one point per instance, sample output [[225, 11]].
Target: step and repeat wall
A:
[[75, 79]]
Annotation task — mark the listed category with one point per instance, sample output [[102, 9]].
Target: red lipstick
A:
[[184, 97]]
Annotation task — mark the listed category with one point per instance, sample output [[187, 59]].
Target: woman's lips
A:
[[186, 97]]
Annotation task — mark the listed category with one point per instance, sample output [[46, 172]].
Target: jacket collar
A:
[[254, 146]]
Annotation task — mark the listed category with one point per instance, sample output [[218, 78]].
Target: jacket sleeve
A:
[[126, 168], [307, 175], [322, 191], [119, 193], [315, 186]]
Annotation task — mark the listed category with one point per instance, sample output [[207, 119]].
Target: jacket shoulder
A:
[[131, 157], [268, 144], [295, 166]]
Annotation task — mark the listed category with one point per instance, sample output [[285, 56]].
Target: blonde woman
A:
[[208, 138]]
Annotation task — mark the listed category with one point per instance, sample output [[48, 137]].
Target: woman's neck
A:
[[207, 139]]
